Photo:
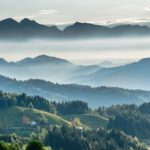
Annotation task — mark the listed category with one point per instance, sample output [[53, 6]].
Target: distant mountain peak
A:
[[9, 21], [145, 60], [3, 61], [27, 21], [43, 59], [78, 23], [86, 29]]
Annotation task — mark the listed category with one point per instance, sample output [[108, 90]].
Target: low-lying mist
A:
[[81, 55], [83, 52]]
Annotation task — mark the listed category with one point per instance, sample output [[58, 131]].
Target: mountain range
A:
[[132, 76], [45, 67], [26, 29], [95, 97]]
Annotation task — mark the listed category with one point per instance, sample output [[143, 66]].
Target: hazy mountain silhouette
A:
[[43, 59], [100, 96], [26, 28], [45, 67], [3, 61], [92, 30], [131, 30], [134, 76], [85, 30]]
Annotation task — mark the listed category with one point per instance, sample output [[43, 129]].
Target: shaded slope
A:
[[95, 97]]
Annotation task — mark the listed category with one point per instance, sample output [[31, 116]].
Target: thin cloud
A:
[[47, 12], [147, 8], [38, 14], [139, 21]]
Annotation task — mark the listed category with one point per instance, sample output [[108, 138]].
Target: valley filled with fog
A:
[[83, 52], [102, 62]]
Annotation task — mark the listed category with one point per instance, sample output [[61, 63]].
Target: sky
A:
[[68, 11]]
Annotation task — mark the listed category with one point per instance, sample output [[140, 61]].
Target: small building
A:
[[33, 123]]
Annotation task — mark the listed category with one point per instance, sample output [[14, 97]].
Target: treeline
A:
[[8, 100], [71, 107], [66, 138], [33, 145], [102, 139], [14, 142], [133, 120], [22, 100], [9, 146], [112, 111], [132, 123]]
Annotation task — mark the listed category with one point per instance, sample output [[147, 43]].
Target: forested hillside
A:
[[60, 125], [100, 96], [133, 120]]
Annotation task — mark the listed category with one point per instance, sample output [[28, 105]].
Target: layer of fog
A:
[[80, 52]]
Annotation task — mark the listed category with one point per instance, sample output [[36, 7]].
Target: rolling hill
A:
[[43, 59], [95, 97], [44, 67], [132, 76], [20, 119], [64, 72]]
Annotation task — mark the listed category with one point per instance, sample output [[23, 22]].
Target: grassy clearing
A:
[[19, 120], [92, 121]]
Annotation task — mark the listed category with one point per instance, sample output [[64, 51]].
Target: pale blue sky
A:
[[66, 11]]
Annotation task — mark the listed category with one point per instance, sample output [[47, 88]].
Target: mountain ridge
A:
[[26, 28], [137, 74], [42, 59], [65, 72], [45, 67], [39, 58], [100, 96]]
